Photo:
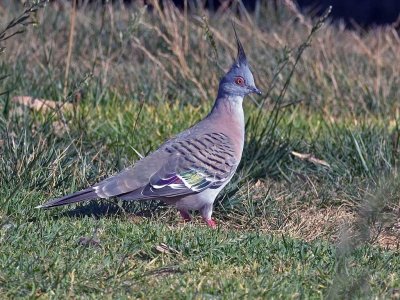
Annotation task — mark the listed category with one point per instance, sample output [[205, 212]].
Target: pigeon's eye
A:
[[239, 81]]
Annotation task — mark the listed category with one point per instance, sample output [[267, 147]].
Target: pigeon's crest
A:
[[239, 80], [241, 56]]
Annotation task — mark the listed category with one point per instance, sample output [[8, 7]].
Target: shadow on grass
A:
[[110, 208]]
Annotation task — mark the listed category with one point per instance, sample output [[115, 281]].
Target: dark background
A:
[[364, 13], [354, 13]]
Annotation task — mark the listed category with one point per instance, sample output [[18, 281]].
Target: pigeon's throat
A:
[[229, 106]]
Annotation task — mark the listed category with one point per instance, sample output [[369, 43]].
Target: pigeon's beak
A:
[[253, 89]]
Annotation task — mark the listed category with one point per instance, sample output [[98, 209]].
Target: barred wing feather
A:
[[195, 164]]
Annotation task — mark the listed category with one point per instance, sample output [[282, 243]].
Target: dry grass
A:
[[300, 211], [343, 71], [309, 224], [329, 224]]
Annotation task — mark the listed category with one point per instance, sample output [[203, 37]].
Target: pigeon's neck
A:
[[230, 106], [227, 114]]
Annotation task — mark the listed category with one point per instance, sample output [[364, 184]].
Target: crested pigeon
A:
[[189, 170]]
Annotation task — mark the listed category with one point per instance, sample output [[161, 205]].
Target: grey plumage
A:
[[189, 170]]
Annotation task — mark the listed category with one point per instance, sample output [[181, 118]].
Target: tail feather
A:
[[84, 195]]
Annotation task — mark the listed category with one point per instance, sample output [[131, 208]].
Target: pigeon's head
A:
[[239, 80]]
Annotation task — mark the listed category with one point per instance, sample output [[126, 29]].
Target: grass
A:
[[312, 211], [152, 260]]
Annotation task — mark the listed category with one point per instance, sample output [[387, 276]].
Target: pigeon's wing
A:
[[134, 177], [195, 164], [181, 166]]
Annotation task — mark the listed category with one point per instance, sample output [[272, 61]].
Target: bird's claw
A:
[[211, 223]]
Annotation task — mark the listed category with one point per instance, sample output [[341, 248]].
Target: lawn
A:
[[313, 211]]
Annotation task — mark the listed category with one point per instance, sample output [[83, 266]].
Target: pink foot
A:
[[211, 223], [185, 215]]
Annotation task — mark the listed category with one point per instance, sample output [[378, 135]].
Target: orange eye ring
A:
[[239, 81]]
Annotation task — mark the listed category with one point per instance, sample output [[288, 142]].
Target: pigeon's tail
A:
[[84, 195]]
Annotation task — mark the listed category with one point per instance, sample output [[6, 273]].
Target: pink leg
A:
[[206, 212], [211, 223], [185, 215]]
